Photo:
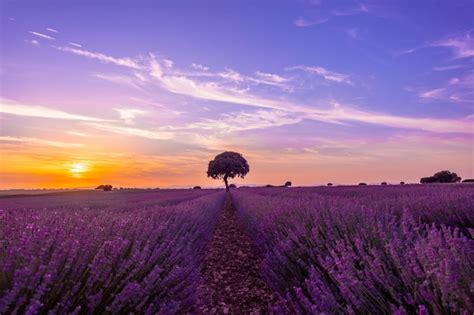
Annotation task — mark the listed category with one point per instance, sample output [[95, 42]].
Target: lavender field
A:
[[356, 250]]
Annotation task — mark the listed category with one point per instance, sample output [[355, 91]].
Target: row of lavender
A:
[[116, 259], [372, 250]]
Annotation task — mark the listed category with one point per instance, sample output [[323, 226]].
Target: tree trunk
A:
[[226, 183]]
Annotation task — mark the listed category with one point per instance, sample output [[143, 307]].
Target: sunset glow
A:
[[78, 169], [307, 91]]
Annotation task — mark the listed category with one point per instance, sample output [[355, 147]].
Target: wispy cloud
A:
[[434, 93], [41, 142], [13, 108], [344, 113], [351, 10], [326, 74], [124, 62], [323, 17], [120, 79], [42, 35], [446, 68], [456, 89], [241, 121], [33, 42], [75, 44], [271, 77], [407, 51], [52, 30], [129, 114], [77, 133], [218, 89], [199, 67], [306, 22], [139, 132], [462, 45]]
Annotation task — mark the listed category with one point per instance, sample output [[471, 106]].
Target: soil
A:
[[232, 282]]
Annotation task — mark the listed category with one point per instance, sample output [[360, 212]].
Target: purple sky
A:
[[140, 93]]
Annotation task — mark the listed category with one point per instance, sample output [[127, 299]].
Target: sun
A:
[[78, 169]]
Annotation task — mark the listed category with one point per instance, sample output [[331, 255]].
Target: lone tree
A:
[[228, 165], [288, 184], [441, 177]]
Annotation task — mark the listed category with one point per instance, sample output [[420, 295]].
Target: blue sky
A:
[[310, 91]]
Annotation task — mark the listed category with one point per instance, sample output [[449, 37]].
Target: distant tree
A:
[[468, 180], [362, 184], [441, 177], [232, 186], [288, 184], [105, 187], [329, 184], [197, 187], [402, 183], [384, 183], [228, 165]]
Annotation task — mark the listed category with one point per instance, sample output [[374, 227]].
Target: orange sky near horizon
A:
[[36, 166]]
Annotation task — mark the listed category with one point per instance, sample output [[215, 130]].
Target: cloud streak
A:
[[324, 17], [326, 74], [75, 44], [124, 62], [456, 89], [462, 46], [41, 142], [42, 35], [13, 108], [242, 121], [129, 114], [138, 132]]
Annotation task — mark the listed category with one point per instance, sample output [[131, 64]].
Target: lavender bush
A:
[[360, 250], [115, 255]]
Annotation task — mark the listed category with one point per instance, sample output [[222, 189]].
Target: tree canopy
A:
[[441, 177], [228, 165]]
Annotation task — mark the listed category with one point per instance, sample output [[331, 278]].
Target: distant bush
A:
[[329, 184], [384, 183], [269, 186], [288, 184], [362, 184], [232, 186], [441, 177], [197, 187], [105, 187], [402, 183], [470, 180]]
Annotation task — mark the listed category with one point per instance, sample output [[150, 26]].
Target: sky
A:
[[145, 93]]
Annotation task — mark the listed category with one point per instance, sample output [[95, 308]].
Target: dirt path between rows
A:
[[232, 281]]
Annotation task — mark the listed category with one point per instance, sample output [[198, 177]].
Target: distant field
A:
[[370, 249]]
